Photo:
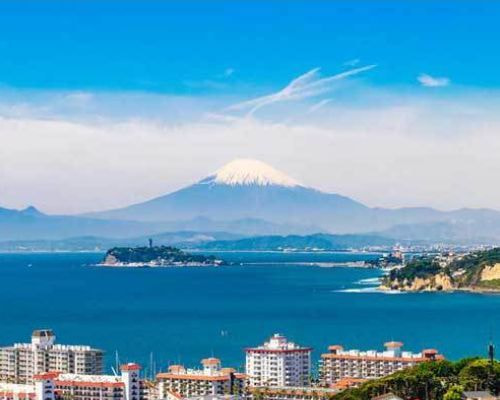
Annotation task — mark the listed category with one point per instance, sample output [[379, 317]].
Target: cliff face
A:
[[439, 282], [110, 259], [490, 272]]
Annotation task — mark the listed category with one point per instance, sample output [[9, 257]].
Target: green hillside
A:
[[435, 380]]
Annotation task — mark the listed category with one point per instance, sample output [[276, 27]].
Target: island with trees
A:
[[157, 256]]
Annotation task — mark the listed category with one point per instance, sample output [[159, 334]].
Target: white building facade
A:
[[60, 386], [340, 364], [278, 363], [21, 361], [211, 380]]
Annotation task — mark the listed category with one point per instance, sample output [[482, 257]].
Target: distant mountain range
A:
[[251, 198], [31, 224], [207, 241]]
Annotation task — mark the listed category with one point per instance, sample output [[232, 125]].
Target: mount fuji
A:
[[249, 198], [250, 189], [247, 189]]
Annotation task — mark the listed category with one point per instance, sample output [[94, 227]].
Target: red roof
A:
[[130, 367], [46, 375], [393, 345], [210, 361]]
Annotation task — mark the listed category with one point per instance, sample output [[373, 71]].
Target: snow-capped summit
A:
[[249, 172], [247, 189]]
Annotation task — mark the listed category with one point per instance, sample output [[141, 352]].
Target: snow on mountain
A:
[[249, 172], [249, 189]]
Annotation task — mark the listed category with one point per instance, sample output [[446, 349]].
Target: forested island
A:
[[476, 271], [156, 256]]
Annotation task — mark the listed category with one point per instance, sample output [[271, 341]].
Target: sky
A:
[[106, 103]]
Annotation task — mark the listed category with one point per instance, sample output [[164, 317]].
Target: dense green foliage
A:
[[463, 272], [473, 265], [434, 380], [421, 267], [317, 241], [160, 254]]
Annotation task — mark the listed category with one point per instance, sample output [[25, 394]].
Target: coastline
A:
[[474, 290]]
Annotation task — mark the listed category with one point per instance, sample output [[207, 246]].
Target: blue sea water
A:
[[185, 314]]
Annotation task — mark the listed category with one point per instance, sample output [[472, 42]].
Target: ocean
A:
[[181, 315]]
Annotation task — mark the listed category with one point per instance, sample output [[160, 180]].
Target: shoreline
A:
[[473, 290]]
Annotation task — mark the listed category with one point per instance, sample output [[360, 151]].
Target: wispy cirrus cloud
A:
[[318, 105], [352, 63], [308, 85], [432, 81]]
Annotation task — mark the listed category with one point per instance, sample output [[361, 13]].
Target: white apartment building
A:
[[16, 391], [21, 361], [278, 363], [211, 380], [340, 364], [60, 386]]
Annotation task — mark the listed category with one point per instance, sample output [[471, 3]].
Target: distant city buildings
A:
[[340, 365], [212, 379], [278, 363], [21, 361]]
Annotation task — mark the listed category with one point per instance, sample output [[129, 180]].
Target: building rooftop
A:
[[212, 370], [278, 342], [393, 350], [42, 333], [89, 378], [130, 367], [210, 361], [479, 395]]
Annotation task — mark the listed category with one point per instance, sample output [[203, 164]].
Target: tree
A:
[[475, 375], [454, 393]]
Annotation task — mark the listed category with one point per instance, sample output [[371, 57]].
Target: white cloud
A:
[[305, 86], [352, 63], [79, 98], [431, 81], [386, 150], [320, 104]]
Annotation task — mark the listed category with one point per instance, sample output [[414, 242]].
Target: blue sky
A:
[[393, 103], [163, 46]]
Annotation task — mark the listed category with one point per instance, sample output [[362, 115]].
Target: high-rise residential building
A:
[[61, 386], [21, 361], [212, 379], [278, 363], [339, 364]]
